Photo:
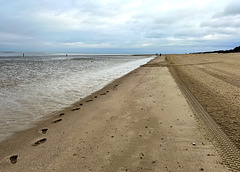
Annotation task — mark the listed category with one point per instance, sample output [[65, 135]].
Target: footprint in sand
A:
[[56, 121], [61, 114], [39, 142], [75, 109], [44, 131], [13, 159], [153, 162], [141, 155]]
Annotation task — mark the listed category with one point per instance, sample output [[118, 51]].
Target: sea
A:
[[37, 84]]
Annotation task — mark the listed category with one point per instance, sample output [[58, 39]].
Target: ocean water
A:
[[34, 86]]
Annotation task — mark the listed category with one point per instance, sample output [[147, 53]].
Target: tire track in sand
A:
[[228, 151]]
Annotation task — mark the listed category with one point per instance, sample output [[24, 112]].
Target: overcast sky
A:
[[119, 26]]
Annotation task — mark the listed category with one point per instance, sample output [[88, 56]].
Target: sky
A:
[[119, 26]]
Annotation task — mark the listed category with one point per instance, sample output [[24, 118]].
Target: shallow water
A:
[[33, 86]]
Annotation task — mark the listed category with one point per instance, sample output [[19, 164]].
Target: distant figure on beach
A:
[[23, 54], [66, 55], [160, 54]]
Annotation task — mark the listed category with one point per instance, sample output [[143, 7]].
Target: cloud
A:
[[224, 24], [82, 45], [13, 39], [137, 24], [232, 9]]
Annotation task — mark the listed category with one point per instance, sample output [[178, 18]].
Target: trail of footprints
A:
[[13, 159]]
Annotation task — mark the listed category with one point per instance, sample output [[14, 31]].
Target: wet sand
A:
[[140, 122]]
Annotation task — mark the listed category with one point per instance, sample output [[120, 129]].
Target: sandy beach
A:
[[140, 122], [214, 79]]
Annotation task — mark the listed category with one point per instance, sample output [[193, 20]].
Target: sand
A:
[[214, 79], [140, 122]]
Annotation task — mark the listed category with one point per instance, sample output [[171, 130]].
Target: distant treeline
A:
[[235, 50]]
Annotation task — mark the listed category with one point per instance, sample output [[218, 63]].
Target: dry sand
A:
[[214, 79], [140, 122]]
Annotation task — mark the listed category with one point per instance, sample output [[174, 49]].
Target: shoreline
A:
[[33, 109], [124, 126], [54, 114]]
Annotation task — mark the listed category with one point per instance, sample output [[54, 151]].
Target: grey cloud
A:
[[231, 9], [156, 35], [121, 24], [225, 23], [189, 33], [221, 23], [165, 21]]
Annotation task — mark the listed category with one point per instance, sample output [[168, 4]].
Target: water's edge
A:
[[52, 115]]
